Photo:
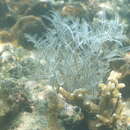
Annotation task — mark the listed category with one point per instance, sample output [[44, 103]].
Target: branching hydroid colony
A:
[[77, 54]]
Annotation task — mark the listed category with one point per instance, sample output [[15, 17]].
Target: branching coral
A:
[[105, 113], [111, 105]]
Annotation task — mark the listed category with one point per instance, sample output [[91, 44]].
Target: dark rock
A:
[[9, 21], [30, 25], [126, 91], [3, 12], [41, 9], [6, 17], [3, 8]]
